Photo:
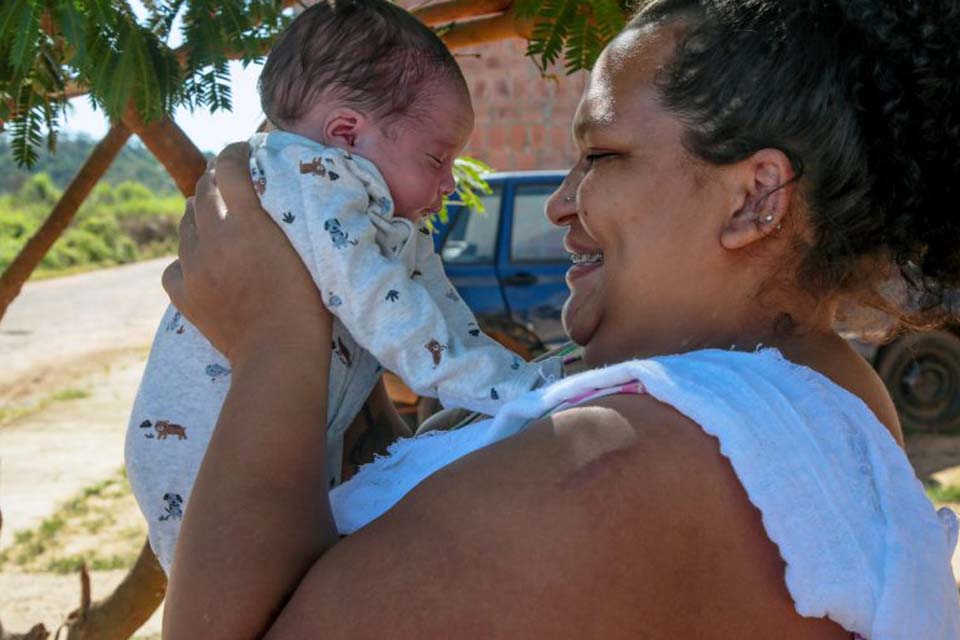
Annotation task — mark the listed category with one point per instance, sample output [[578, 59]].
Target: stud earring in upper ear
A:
[[768, 219]]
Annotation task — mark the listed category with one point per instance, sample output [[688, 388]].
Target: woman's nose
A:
[[562, 203]]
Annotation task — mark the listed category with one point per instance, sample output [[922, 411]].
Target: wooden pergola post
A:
[[172, 147], [11, 282]]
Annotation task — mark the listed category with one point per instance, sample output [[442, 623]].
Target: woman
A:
[[743, 168]]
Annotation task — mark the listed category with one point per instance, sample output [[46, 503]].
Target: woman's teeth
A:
[[586, 258]]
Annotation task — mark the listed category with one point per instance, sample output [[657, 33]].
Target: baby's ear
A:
[[343, 126], [764, 181]]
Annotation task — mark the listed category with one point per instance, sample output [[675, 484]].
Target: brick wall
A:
[[522, 120]]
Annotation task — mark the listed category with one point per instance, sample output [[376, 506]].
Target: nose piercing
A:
[[568, 198]]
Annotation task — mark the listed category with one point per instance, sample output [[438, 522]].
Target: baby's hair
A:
[[371, 54]]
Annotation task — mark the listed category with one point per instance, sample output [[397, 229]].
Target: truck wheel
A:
[[922, 373]]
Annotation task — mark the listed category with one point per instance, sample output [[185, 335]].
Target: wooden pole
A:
[[11, 282], [172, 147]]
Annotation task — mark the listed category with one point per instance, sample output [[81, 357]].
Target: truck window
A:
[[473, 236], [534, 238]]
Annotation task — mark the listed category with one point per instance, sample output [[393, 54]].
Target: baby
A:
[[371, 110]]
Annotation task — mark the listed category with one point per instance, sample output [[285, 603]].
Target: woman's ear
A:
[[343, 126], [764, 180]]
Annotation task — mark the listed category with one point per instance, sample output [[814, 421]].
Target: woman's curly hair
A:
[[863, 96]]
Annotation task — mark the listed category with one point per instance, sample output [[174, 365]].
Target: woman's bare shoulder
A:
[[619, 518]]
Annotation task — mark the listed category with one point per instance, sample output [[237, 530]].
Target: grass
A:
[[40, 273], [13, 413], [100, 526], [943, 493]]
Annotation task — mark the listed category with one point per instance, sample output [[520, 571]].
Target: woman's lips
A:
[[580, 270]]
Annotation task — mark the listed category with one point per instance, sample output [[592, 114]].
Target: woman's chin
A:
[[579, 323]]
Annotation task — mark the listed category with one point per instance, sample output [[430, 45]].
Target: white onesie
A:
[[394, 307]]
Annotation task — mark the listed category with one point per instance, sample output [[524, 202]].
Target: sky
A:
[[210, 132]]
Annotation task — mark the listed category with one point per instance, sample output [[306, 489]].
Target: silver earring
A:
[[768, 219]]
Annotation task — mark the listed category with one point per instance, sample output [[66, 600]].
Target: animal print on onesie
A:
[[394, 308]]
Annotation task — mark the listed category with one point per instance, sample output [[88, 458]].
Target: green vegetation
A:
[[9, 413], [135, 163], [100, 526], [117, 224], [940, 493]]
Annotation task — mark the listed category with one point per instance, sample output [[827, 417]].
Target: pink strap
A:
[[634, 388]]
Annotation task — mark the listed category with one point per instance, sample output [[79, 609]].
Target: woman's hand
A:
[[237, 277]]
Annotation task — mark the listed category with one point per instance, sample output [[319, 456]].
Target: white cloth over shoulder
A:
[[862, 544], [379, 274]]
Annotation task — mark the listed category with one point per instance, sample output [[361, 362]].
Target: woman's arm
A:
[[258, 514]]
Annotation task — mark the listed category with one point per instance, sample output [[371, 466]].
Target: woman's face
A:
[[637, 208]]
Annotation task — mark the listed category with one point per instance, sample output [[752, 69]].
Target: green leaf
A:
[[26, 34], [468, 173], [25, 130], [576, 29], [11, 15], [610, 17], [550, 32], [73, 26], [162, 16]]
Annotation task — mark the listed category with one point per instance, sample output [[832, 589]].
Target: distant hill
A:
[[134, 163]]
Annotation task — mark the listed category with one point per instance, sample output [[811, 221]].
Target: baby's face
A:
[[415, 155]]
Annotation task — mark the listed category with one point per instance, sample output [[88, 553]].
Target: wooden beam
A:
[[66, 208], [454, 10], [490, 29]]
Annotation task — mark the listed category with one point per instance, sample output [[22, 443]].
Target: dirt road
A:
[[54, 325], [87, 334]]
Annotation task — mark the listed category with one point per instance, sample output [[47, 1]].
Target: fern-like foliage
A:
[[577, 30], [471, 184], [45, 45], [126, 63]]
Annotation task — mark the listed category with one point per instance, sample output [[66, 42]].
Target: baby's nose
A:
[[448, 185]]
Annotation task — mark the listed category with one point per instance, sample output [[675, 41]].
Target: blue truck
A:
[[508, 264]]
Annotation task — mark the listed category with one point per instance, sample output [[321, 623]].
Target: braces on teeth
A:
[[586, 258]]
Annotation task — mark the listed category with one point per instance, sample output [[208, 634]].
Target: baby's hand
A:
[[237, 277]]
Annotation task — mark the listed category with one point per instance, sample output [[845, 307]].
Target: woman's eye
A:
[[593, 157], [435, 160]]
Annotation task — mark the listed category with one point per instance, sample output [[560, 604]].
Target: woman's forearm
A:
[[258, 516]]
